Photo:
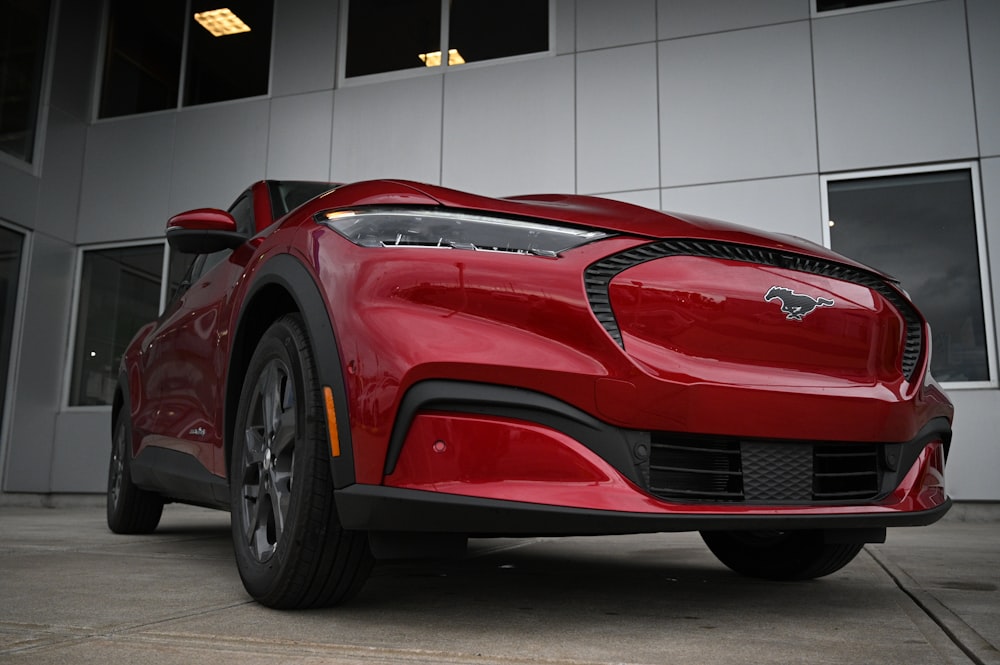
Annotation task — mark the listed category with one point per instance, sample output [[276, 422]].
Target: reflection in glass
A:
[[119, 293], [23, 31], [11, 244], [921, 229]]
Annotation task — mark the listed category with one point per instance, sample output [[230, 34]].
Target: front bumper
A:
[[483, 459]]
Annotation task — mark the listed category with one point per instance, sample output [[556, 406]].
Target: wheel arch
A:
[[283, 285]]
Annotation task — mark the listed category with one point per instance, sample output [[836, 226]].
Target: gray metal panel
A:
[[81, 451], [600, 24], [984, 42], [18, 195], [305, 46], [565, 26], [780, 205], [388, 130], [126, 178], [298, 144], [37, 393], [893, 86], [682, 18], [219, 150], [508, 129], [73, 71], [737, 105], [59, 188], [616, 119]]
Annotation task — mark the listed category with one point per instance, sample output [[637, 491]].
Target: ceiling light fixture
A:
[[433, 59], [221, 22]]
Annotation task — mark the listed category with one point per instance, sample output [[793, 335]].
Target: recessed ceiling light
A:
[[221, 22], [433, 59]]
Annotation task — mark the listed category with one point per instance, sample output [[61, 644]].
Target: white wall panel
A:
[[218, 152], [893, 86], [304, 46], [984, 43], [616, 118], [682, 18], [737, 105], [779, 205], [298, 144], [388, 130], [600, 24], [509, 129], [126, 178], [975, 456]]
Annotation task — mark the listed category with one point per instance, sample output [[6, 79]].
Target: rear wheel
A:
[[130, 509], [780, 555], [290, 548]]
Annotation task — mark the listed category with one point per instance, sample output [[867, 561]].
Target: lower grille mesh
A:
[[697, 469]]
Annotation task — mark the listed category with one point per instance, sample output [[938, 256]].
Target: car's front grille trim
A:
[[689, 468], [598, 276]]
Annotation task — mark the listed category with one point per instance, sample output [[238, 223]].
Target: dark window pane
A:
[[481, 30], [921, 228], [119, 293], [11, 244], [22, 54], [230, 66], [142, 61], [831, 5], [389, 35]]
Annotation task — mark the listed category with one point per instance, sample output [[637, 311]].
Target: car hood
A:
[[579, 210]]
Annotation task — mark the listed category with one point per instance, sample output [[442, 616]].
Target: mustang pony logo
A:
[[795, 305]]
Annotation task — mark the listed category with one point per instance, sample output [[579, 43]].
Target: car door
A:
[[184, 358]]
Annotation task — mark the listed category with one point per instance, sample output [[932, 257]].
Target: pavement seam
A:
[[964, 636]]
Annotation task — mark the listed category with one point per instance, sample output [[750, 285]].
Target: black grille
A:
[[598, 276], [698, 469]]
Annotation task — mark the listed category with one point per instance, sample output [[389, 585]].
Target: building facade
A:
[[874, 129]]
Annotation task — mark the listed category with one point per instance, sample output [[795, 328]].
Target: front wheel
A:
[[290, 548], [780, 555]]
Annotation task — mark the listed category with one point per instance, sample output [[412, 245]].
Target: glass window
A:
[[119, 293], [487, 30], [924, 229], [228, 54], [846, 5], [22, 56], [142, 58], [395, 35], [225, 65]]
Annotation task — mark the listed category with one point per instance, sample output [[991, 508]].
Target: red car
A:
[[390, 368]]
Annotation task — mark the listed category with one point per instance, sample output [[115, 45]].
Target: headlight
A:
[[454, 230]]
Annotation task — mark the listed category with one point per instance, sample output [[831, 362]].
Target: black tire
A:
[[290, 548], [130, 509], [780, 555]]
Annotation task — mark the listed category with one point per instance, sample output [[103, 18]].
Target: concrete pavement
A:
[[72, 592]]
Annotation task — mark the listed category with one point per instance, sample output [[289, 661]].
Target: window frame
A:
[[74, 317], [343, 81], [989, 314], [98, 68], [885, 4], [14, 361]]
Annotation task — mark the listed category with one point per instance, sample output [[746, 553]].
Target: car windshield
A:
[[287, 195]]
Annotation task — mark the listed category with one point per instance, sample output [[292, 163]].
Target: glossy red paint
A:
[[703, 352], [203, 219]]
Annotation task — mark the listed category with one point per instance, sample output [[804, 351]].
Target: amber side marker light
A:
[[331, 421]]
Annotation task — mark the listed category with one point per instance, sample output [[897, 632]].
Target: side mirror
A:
[[203, 231]]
